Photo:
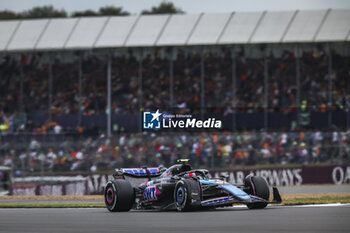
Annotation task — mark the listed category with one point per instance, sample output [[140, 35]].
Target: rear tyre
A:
[[119, 195], [257, 186]]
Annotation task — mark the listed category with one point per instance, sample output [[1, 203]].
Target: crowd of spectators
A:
[[249, 86], [220, 150], [25, 91]]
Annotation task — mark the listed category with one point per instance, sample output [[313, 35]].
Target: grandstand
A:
[[175, 30], [85, 77]]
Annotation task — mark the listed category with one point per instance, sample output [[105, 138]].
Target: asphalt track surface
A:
[[308, 189], [237, 219]]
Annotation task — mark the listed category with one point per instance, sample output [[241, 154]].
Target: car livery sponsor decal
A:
[[220, 200], [167, 173], [141, 171], [150, 193], [236, 191], [207, 182], [144, 185]]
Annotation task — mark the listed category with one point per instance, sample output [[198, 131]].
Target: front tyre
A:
[[187, 195], [181, 196], [119, 195], [257, 186]]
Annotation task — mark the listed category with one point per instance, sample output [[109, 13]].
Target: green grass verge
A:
[[288, 201], [317, 200], [53, 205]]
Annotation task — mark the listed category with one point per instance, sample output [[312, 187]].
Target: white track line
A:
[[322, 205], [301, 206]]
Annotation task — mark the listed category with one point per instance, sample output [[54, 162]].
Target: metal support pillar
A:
[[202, 85], [50, 86], [171, 76], [212, 162], [330, 95], [297, 72], [109, 96], [21, 85], [140, 90], [80, 76], [234, 82], [266, 92]]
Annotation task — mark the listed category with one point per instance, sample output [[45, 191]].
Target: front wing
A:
[[229, 200]]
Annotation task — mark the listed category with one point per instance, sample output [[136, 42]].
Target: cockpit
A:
[[176, 169]]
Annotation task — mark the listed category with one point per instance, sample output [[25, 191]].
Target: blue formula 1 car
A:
[[182, 188]]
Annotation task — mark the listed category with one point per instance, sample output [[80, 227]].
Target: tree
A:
[[8, 15], [43, 12], [112, 11], [163, 8], [84, 13]]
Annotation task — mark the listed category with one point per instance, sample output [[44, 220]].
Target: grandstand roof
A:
[[175, 30]]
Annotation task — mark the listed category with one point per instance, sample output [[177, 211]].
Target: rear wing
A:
[[149, 173]]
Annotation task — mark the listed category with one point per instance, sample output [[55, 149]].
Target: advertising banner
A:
[[94, 184], [293, 176]]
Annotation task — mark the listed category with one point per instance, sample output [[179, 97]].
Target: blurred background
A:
[[75, 81]]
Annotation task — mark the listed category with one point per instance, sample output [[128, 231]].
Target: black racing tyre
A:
[[181, 196], [257, 186], [119, 195], [185, 191]]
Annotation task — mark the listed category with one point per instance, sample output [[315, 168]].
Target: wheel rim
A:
[[180, 195], [110, 196]]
